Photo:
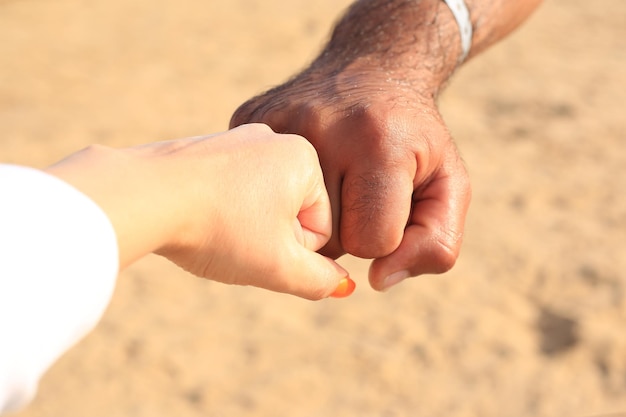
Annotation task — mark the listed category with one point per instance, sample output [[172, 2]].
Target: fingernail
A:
[[395, 278], [345, 288]]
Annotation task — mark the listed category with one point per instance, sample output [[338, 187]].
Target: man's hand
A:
[[398, 187], [399, 190]]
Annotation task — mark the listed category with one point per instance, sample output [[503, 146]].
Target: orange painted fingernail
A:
[[345, 288]]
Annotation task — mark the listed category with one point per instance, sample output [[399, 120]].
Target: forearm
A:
[[417, 41], [125, 185]]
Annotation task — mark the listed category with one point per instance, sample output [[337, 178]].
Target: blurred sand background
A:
[[529, 323]]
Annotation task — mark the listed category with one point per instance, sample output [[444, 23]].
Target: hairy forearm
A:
[[417, 40]]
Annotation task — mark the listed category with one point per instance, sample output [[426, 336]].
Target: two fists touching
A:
[[250, 206]]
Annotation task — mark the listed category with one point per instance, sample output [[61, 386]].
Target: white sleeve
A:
[[58, 267]]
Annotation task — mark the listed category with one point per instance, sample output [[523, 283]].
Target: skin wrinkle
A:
[[447, 240], [359, 94]]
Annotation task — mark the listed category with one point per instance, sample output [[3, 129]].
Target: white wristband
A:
[[462, 16]]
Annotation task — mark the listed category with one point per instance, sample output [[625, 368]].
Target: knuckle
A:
[[445, 252], [384, 142], [261, 128], [378, 128], [241, 115], [310, 154], [301, 151], [302, 144], [253, 110]]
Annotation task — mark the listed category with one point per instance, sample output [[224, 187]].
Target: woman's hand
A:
[[247, 206]]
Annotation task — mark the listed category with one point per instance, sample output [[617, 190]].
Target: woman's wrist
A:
[[125, 183]]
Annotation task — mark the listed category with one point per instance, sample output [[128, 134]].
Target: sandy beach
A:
[[529, 323]]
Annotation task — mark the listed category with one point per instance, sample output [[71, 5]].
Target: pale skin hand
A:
[[246, 207], [398, 187]]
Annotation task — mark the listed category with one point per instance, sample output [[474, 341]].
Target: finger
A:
[[313, 276], [333, 172], [314, 221], [376, 203], [432, 240], [333, 248], [318, 216]]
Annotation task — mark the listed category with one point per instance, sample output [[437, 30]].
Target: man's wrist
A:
[[417, 42]]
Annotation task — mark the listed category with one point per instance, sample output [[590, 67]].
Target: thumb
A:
[[314, 277], [432, 239]]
